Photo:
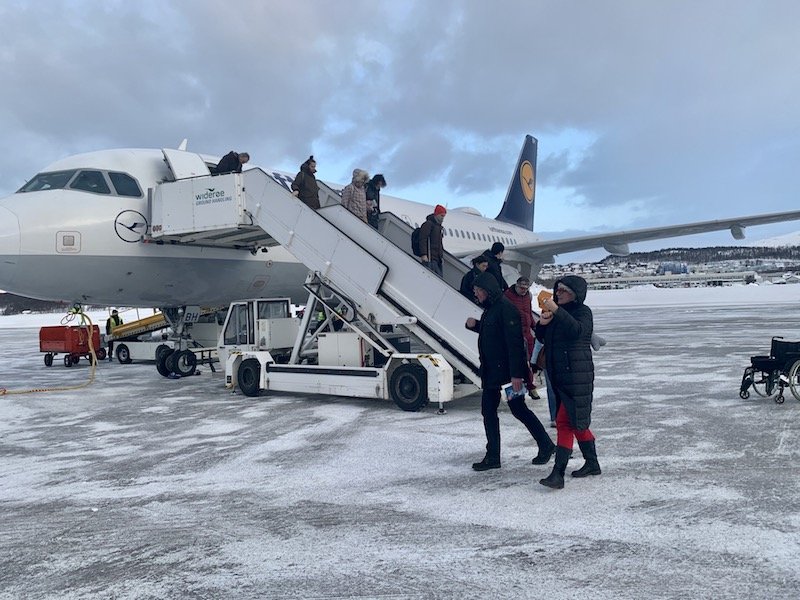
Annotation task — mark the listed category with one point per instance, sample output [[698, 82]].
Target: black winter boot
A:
[[591, 466], [545, 454], [486, 464], [556, 478]]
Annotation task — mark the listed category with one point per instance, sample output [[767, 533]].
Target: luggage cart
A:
[[71, 341]]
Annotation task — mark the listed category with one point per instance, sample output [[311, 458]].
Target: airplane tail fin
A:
[[520, 199]]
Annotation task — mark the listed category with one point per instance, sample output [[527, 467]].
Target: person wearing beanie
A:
[[354, 195], [112, 323], [566, 328], [495, 257], [305, 185], [501, 349], [431, 240], [374, 187]]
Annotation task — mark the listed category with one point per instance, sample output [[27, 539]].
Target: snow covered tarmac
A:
[[143, 487]]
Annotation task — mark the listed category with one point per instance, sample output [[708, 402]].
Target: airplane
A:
[[76, 232]]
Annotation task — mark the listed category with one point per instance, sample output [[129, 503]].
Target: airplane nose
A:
[[9, 247]]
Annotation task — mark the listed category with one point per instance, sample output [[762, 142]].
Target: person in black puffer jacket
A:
[[502, 353], [566, 328]]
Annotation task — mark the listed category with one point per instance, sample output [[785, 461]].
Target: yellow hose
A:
[[85, 322]]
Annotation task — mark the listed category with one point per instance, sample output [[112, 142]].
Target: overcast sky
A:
[[647, 112]]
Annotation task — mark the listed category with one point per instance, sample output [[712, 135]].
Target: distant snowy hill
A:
[[788, 239]]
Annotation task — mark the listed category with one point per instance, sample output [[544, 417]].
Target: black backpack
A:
[[415, 243]]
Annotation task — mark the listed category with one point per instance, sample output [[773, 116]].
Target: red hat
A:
[[439, 210]]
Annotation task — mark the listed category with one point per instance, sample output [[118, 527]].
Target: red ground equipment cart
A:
[[71, 341]]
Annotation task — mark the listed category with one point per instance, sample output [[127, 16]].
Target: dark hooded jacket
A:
[[500, 344], [467, 282], [431, 236], [568, 353], [494, 269], [306, 186], [229, 163], [374, 191]]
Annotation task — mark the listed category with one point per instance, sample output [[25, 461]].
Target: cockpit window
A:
[[91, 181], [55, 180], [125, 184]]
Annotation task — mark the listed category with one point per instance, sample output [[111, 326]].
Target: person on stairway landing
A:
[[566, 328], [232, 162], [501, 349]]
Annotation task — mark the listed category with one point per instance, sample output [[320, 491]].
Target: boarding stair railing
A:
[[387, 285]]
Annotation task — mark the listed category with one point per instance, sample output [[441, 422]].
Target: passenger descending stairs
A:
[[387, 285]]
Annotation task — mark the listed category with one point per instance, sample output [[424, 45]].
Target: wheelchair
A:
[[770, 375]]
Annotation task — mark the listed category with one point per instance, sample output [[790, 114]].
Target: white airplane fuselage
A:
[[74, 245]]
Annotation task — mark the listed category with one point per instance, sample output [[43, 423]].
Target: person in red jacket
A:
[[520, 296]]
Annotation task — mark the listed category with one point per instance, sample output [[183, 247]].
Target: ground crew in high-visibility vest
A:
[[112, 323]]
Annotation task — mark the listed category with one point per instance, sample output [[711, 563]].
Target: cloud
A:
[[689, 108]]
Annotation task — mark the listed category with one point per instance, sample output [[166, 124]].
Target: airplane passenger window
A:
[[125, 185], [55, 180], [91, 181]]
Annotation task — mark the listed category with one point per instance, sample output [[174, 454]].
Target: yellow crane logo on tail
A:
[[526, 180]]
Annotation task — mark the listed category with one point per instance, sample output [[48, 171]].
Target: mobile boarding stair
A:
[[353, 269]]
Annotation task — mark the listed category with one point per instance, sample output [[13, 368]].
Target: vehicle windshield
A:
[[55, 180]]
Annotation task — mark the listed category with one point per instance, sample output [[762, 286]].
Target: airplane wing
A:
[[617, 242]]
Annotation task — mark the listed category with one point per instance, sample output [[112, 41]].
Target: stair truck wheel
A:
[[408, 387], [162, 349], [185, 363], [67, 360], [161, 363], [48, 359], [123, 354], [248, 377]]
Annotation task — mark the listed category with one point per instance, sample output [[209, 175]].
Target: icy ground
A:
[[144, 487]]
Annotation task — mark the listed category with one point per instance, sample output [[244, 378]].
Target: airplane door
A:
[[185, 164]]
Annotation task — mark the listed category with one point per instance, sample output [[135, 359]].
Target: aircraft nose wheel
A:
[[161, 362], [184, 363]]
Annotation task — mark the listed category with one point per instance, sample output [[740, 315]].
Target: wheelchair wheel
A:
[[794, 380], [766, 384]]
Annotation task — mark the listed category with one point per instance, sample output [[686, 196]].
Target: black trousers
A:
[[490, 401]]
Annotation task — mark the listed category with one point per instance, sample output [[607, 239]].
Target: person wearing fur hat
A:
[[305, 185], [501, 349], [566, 327], [431, 240], [354, 195]]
